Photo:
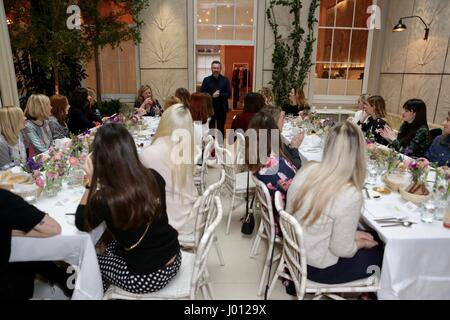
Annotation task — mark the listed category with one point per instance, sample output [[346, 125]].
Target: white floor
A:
[[238, 279]]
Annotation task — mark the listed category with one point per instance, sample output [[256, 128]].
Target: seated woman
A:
[[374, 119], [253, 103], [93, 111], [273, 168], [145, 104], [439, 152], [360, 114], [20, 219], [297, 102], [79, 115], [268, 95], [290, 149], [181, 192], [336, 252], [145, 254], [414, 138], [12, 148], [199, 112], [37, 133], [184, 95], [57, 121]]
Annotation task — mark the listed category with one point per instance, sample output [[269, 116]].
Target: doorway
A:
[[225, 31], [237, 67]]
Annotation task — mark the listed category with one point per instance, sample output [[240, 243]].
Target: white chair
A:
[[203, 210], [200, 173], [191, 277], [293, 258], [266, 230], [235, 183]]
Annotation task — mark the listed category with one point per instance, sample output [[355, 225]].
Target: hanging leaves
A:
[[291, 68]]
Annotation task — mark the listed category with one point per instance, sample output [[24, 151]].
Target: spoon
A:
[[406, 224], [393, 219]]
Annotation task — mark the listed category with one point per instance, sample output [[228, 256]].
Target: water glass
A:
[[441, 209], [372, 170], [428, 211]]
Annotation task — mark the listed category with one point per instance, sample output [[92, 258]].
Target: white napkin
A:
[[390, 209]]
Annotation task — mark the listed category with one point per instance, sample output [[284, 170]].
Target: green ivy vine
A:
[[291, 68]]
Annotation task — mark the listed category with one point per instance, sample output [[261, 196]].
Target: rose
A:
[[422, 163], [73, 161], [370, 146], [57, 157], [40, 182], [51, 175]]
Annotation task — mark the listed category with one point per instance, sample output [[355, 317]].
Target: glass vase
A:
[[52, 187], [75, 176]]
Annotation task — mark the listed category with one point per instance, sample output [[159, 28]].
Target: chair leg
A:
[[231, 212], [276, 276], [210, 290], [257, 241], [263, 278], [219, 251]]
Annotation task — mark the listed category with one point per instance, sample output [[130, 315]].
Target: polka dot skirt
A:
[[115, 271]]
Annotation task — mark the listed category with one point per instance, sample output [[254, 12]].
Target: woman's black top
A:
[[158, 246], [371, 127]]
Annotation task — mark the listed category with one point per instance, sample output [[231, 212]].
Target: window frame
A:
[[343, 99]]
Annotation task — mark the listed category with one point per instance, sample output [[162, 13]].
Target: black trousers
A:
[[17, 282], [218, 120], [360, 266]]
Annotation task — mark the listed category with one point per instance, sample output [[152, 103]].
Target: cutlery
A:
[[397, 219], [406, 224], [367, 193]]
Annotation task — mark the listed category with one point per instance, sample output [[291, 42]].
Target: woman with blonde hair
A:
[[336, 252], [171, 101], [146, 104], [360, 114], [171, 154], [375, 119], [57, 121], [184, 95], [267, 93], [12, 149], [38, 135]]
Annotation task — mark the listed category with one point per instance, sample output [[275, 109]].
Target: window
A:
[[342, 56], [225, 21]]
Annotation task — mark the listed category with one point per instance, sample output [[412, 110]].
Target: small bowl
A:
[[382, 190]]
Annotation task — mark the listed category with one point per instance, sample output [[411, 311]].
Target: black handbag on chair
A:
[[248, 222]]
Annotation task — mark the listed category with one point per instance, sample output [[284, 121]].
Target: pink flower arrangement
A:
[[73, 161], [419, 172]]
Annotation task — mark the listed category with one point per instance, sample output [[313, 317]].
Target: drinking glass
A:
[[427, 211], [372, 170]]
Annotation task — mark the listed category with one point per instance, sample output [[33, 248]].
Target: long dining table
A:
[[72, 246], [416, 262]]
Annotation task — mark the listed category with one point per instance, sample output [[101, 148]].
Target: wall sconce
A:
[[402, 27]]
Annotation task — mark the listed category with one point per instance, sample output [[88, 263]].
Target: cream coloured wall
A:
[[164, 54], [412, 67]]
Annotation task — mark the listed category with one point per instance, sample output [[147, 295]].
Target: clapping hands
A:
[[388, 134]]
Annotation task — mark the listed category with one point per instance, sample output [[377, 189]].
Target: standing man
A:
[[218, 87]]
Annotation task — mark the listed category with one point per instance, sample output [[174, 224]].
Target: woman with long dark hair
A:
[[145, 254], [413, 138], [79, 114]]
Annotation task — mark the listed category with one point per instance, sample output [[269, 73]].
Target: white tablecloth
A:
[[416, 263], [72, 246]]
